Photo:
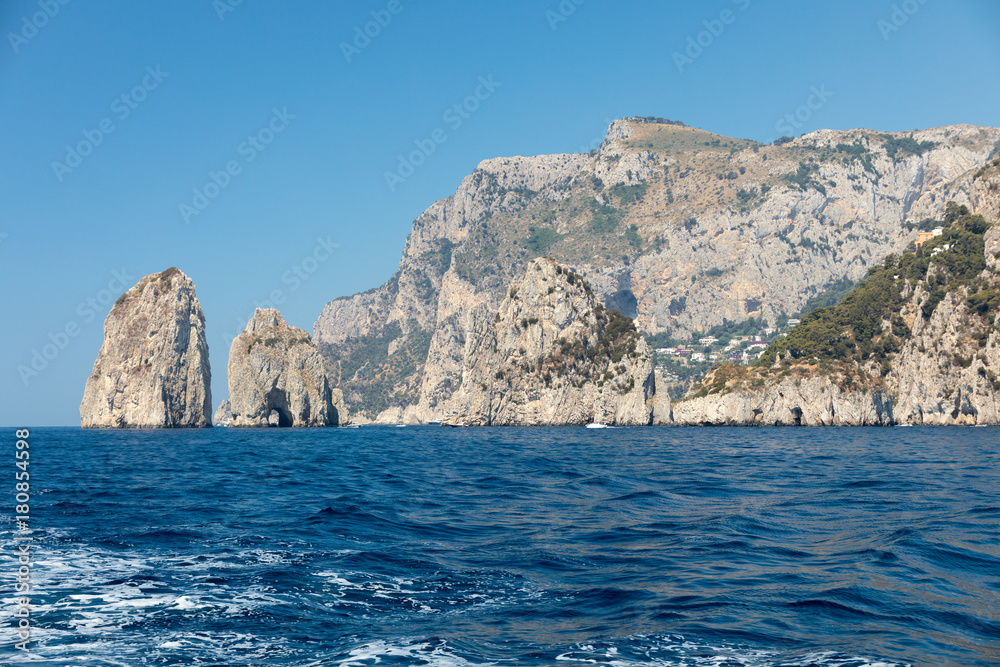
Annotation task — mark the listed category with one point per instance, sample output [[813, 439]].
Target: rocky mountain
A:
[[679, 228], [152, 370], [918, 342], [224, 414], [276, 375], [552, 354]]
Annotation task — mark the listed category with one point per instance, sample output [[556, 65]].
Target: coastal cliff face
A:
[[552, 355], [152, 370], [679, 228], [917, 343], [275, 368], [793, 401], [948, 372], [224, 414]]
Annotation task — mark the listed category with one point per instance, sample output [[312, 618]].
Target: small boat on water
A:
[[598, 425]]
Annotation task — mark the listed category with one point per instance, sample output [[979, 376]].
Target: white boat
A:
[[598, 425]]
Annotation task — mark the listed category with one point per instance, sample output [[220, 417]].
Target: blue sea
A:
[[454, 547]]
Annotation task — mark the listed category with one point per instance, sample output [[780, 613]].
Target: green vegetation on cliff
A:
[[617, 339], [867, 324], [831, 296], [369, 375]]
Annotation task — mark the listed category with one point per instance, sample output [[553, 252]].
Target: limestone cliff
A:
[[152, 370], [552, 355], [918, 342], [679, 228], [275, 368], [224, 414], [799, 400], [948, 370]]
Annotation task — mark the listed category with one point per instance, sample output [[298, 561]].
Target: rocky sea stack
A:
[[554, 355], [153, 369], [275, 368]]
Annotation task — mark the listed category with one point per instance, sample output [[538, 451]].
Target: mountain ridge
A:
[[676, 226]]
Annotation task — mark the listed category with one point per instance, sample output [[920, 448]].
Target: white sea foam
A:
[[424, 597], [437, 654], [641, 651], [84, 597], [87, 599], [626, 652]]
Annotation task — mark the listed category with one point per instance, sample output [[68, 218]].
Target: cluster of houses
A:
[[924, 237], [741, 349], [690, 359], [708, 350]]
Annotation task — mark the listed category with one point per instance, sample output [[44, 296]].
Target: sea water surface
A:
[[453, 547]]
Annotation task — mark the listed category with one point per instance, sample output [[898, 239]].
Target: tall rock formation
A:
[[275, 367], [679, 228], [553, 355], [153, 369]]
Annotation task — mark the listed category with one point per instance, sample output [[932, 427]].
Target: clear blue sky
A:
[[221, 74]]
